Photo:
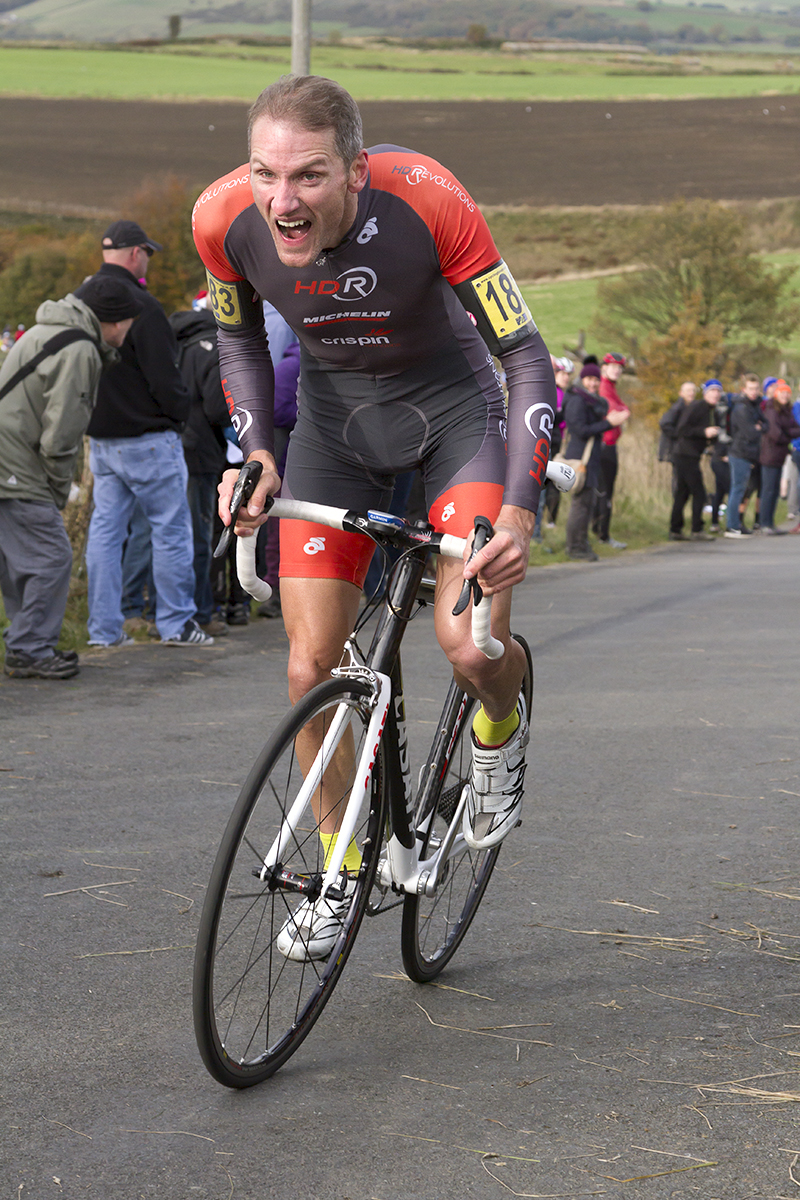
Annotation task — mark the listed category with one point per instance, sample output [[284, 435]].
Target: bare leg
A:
[[495, 683], [318, 615]]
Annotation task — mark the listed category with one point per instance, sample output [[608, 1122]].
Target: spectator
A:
[[610, 371], [6, 340], [780, 428], [585, 416], [719, 451], [204, 444], [19, 332], [48, 387], [136, 454], [550, 496], [746, 429], [693, 429], [669, 421], [793, 500]]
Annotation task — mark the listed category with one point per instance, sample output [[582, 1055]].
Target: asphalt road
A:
[[621, 1021]]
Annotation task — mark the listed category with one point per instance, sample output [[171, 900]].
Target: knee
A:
[[308, 666], [466, 660]]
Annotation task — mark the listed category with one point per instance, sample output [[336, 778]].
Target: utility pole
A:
[[301, 37]]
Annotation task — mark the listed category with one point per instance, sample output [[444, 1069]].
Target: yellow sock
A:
[[494, 733], [352, 857]]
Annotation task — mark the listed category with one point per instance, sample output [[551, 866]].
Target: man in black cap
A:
[[137, 457], [48, 387]]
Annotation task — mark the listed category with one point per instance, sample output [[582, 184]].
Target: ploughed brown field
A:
[[72, 155]]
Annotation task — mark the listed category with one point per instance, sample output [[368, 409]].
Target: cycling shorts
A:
[[355, 433]]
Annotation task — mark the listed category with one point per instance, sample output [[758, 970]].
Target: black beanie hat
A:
[[109, 299]]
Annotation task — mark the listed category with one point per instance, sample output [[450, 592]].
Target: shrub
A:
[[48, 271], [703, 302]]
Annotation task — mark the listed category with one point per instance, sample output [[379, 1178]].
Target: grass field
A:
[[371, 74], [120, 20], [563, 308]]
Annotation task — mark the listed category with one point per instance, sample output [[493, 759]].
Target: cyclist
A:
[[385, 268]]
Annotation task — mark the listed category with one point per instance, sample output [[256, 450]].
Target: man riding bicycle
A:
[[386, 270]]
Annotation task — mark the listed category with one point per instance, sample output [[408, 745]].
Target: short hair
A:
[[313, 103], [751, 378]]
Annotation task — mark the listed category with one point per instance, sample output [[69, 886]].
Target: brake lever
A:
[[242, 491], [483, 533]]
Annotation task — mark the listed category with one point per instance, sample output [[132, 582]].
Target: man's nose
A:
[[284, 200]]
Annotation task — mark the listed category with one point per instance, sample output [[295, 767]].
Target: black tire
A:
[[252, 1006], [434, 926]]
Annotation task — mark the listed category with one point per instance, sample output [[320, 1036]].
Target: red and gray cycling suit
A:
[[397, 326]]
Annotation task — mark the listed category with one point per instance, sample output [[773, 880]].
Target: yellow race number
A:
[[501, 302]]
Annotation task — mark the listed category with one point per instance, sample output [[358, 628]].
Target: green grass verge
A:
[[561, 310], [127, 75]]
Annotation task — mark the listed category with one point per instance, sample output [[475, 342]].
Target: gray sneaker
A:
[[124, 639]]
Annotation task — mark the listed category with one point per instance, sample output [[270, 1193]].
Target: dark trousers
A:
[[770, 487], [601, 518], [225, 586], [688, 482], [580, 513], [722, 476], [201, 493]]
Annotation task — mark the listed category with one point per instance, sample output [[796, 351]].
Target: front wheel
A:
[[253, 1006], [434, 926]]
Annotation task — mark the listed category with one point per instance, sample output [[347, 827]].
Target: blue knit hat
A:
[[709, 383]]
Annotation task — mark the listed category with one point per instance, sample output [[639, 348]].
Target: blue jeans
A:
[[202, 494], [770, 487], [740, 473], [152, 470]]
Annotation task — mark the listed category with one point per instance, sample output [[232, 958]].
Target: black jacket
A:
[[198, 359], [585, 416], [690, 428], [747, 425], [143, 392]]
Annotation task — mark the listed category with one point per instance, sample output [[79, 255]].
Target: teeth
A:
[[291, 224]]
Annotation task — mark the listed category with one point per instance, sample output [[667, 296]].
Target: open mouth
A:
[[292, 231]]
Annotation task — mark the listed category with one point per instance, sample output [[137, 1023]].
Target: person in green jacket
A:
[[48, 388]]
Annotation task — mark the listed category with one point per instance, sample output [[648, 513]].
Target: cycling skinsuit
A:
[[397, 326]]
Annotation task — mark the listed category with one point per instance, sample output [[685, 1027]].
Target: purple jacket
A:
[[781, 428]]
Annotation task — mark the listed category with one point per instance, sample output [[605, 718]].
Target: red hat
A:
[[615, 358]]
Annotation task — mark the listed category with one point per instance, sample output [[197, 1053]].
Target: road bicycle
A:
[[253, 1006]]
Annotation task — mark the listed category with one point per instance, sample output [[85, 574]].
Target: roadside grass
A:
[[561, 310], [236, 72]]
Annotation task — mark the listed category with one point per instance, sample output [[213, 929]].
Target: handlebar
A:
[[384, 526]]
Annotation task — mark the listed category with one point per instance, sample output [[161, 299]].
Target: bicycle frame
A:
[[402, 869]]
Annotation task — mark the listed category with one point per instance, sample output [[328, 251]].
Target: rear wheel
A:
[[434, 926], [252, 1006]]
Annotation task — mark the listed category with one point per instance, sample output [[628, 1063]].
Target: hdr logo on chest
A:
[[356, 283]]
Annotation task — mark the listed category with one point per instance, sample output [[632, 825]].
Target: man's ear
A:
[[359, 172]]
